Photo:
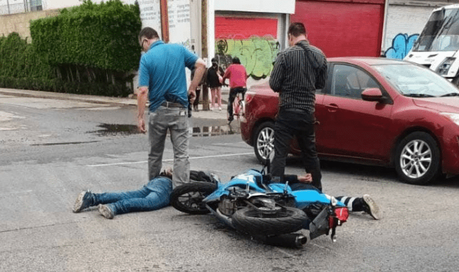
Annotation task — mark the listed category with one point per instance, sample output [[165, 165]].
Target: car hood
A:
[[443, 104]]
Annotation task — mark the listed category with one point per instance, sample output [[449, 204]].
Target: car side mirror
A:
[[372, 94]]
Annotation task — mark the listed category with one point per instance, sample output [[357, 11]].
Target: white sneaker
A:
[[370, 207], [106, 212]]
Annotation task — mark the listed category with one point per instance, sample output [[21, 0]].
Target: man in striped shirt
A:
[[297, 73]]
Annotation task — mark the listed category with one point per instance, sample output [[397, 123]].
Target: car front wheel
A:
[[264, 141], [417, 159]]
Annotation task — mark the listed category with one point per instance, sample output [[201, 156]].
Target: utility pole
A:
[[164, 20], [205, 88]]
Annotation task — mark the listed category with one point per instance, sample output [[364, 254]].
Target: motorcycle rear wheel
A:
[[188, 197], [256, 222]]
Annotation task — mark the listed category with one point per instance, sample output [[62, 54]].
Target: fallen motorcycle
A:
[[269, 212]]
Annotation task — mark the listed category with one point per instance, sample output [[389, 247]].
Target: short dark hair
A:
[[297, 29], [148, 33], [236, 60]]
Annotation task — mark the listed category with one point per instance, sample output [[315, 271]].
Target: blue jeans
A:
[[176, 121], [153, 196]]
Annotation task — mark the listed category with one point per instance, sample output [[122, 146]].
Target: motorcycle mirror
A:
[[286, 187]]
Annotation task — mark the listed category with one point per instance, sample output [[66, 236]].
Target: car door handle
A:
[[332, 107]]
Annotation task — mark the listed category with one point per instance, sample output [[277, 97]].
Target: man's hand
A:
[[142, 94], [191, 95], [141, 125], [305, 179]]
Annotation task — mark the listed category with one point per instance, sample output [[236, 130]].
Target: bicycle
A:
[[238, 104]]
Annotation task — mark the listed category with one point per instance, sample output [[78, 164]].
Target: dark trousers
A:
[[196, 100], [290, 123], [232, 95]]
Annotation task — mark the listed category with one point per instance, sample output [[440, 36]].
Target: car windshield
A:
[[441, 32], [416, 81]]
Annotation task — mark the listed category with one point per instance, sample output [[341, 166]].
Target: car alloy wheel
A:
[[264, 142], [418, 158]]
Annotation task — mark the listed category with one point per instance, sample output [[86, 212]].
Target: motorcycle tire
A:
[[255, 222], [188, 197]]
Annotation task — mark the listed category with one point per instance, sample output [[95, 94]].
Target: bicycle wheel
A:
[[236, 106]]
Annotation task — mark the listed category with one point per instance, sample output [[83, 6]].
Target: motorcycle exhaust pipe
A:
[[291, 240]]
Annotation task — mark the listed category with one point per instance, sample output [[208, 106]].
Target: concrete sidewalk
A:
[[201, 114]]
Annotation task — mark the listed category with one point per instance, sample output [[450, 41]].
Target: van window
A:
[[441, 32]]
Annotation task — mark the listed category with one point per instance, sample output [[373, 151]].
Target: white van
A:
[[438, 45]]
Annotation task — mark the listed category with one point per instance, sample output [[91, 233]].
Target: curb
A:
[[202, 114]]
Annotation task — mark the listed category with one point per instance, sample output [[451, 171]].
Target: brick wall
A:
[[20, 22]]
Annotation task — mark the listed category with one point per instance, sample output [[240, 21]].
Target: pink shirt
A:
[[237, 75]]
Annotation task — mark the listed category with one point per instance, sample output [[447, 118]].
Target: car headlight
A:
[[444, 67], [452, 116]]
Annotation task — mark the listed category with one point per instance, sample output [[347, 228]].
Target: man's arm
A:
[[277, 75], [200, 68], [307, 178], [142, 95], [322, 76], [227, 74]]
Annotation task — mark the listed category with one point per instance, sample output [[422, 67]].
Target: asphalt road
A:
[[52, 149]]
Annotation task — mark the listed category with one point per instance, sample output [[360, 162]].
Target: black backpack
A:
[[201, 176]]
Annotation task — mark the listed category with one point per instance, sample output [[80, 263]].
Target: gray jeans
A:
[[176, 121]]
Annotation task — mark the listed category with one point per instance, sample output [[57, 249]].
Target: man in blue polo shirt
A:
[[162, 81]]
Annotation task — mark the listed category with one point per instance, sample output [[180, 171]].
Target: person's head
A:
[[296, 33], [147, 37], [236, 60], [214, 62], [167, 172]]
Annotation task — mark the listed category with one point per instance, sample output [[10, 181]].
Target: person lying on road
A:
[[354, 204], [152, 196]]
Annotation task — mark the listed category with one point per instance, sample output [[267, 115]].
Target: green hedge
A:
[[88, 49], [58, 85], [100, 36], [18, 59]]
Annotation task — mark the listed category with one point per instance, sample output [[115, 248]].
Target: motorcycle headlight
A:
[[444, 67], [452, 116]]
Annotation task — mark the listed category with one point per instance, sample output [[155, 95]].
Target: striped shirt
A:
[[297, 74]]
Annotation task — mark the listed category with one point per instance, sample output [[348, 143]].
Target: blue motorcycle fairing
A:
[[304, 198], [240, 181]]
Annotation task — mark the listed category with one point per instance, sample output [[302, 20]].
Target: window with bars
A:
[[35, 5]]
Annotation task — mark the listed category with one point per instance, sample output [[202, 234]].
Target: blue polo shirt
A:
[[162, 71]]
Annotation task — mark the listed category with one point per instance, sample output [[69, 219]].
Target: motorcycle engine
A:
[[226, 206]]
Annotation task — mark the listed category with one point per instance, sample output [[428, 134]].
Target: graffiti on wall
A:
[[257, 54], [401, 45], [251, 39]]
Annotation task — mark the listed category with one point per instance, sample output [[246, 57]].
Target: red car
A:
[[373, 111]]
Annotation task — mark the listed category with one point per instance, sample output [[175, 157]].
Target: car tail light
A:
[[248, 97], [342, 214]]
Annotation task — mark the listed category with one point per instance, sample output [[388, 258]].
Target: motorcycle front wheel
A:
[[188, 197], [256, 222]]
